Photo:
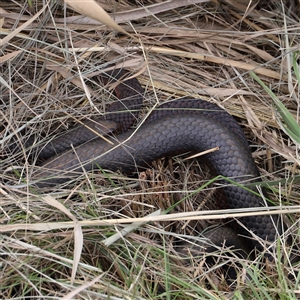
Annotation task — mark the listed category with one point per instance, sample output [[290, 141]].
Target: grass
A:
[[71, 243]]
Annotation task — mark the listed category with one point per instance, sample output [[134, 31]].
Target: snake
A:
[[180, 126]]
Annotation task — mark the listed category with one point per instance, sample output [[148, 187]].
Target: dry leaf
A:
[[96, 12]]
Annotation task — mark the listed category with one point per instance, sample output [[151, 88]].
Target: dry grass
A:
[[52, 244]]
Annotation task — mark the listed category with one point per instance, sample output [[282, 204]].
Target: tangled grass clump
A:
[[72, 242]]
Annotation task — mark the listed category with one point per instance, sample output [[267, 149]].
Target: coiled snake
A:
[[176, 127]]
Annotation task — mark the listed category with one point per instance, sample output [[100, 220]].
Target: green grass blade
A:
[[284, 118]]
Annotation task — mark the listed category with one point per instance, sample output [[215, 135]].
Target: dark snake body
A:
[[182, 126]]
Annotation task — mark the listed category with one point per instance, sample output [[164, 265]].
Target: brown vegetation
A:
[[56, 243]]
